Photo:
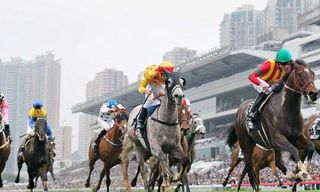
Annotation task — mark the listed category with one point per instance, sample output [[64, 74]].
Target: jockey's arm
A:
[[261, 70], [31, 122]]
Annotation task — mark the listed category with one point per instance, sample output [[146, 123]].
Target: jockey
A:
[[37, 111], [4, 107], [269, 73], [106, 120], [153, 87], [186, 105]]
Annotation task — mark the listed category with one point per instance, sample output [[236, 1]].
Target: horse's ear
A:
[[166, 72]]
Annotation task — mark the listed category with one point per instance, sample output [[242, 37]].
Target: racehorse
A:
[[193, 125], [282, 123], [261, 159], [110, 148], [5, 148], [163, 135], [36, 154]]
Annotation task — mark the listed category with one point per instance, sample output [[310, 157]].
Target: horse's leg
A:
[[102, 174], [19, 164], [1, 169], [140, 159], [124, 170], [108, 180], [243, 174], [31, 177], [281, 142], [274, 170], [52, 174], [134, 180], [44, 177], [235, 161], [160, 181], [164, 164], [302, 141], [184, 160], [91, 166]]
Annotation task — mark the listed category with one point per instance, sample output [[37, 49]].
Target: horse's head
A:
[[174, 86], [196, 125], [122, 119], [184, 115], [301, 80], [40, 128]]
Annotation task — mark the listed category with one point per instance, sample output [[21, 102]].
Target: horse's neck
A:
[[167, 110], [291, 101], [191, 139], [114, 134]]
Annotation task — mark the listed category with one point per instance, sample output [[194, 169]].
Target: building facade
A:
[[179, 54]]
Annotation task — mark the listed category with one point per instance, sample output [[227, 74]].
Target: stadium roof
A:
[[208, 67]]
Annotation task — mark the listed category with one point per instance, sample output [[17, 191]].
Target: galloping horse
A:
[[20, 161], [110, 148], [193, 125], [282, 123], [163, 134], [5, 147], [36, 154], [307, 125]]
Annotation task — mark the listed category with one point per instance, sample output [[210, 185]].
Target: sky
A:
[[91, 35]]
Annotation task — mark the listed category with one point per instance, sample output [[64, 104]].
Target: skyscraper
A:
[[239, 29], [179, 54], [63, 145], [22, 82]]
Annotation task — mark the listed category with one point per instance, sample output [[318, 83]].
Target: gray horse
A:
[[163, 134]]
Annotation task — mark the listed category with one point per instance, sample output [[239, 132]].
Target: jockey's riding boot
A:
[[96, 143], [23, 145], [256, 105], [140, 124], [7, 128]]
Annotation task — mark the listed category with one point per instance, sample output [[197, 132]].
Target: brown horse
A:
[[261, 159], [110, 148], [36, 154], [5, 148], [307, 126], [282, 123]]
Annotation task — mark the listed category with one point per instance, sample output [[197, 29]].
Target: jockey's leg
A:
[[7, 129], [96, 143], [141, 119], [256, 105], [23, 145]]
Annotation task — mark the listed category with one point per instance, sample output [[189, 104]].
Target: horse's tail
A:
[[127, 147], [232, 137]]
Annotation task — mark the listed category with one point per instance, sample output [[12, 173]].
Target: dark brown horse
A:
[[282, 124], [5, 148], [20, 161], [307, 126], [36, 154], [261, 159], [110, 148]]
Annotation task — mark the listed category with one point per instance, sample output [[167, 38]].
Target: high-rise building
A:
[[22, 82], [83, 134], [63, 145], [283, 14], [179, 54], [105, 82], [240, 28]]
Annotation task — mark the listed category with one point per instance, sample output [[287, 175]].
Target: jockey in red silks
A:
[[269, 73], [4, 107]]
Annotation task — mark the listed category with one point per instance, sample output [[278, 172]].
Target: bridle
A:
[[301, 88]]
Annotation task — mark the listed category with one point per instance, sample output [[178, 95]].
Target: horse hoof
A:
[[224, 183], [290, 176], [1, 185], [29, 187], [87, 185], [175, 178], [303, 176], [17, 180]]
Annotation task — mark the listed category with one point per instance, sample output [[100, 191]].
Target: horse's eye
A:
[[169, 82], [182, 81]]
